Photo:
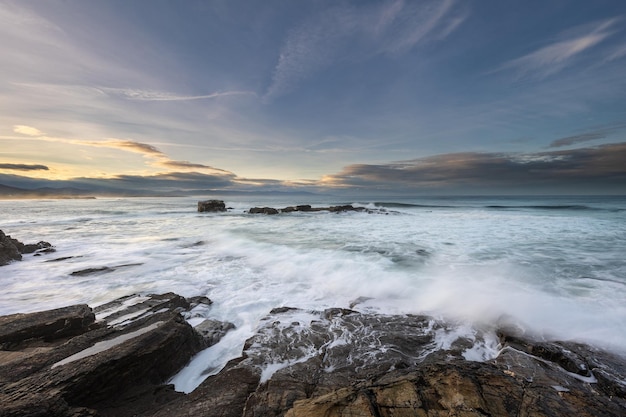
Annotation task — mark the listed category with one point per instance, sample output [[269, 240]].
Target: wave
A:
[[572, 207], [408, 205]]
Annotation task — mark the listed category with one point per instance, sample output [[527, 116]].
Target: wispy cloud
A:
[[27, 130], [554, 57], [357, 33], [596, 134], [24, 167], [148, 95]]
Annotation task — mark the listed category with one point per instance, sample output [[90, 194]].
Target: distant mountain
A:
[[8, 192]]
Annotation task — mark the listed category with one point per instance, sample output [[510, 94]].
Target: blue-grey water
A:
[[553, 265]]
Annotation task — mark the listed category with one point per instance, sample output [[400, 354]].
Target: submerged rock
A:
[[12, 249]]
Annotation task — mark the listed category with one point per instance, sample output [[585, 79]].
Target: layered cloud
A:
[[602, 166], [154, 156], [24, 167]]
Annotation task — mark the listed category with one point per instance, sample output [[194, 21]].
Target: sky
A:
[[405, 97]]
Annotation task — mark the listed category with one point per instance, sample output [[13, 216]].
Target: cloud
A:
[[617, 53], [602, 166], [355, 33], [149, 95], [599, 133], [554, 57], [584, 137], [27, 130], [24, 167], [126, 145]]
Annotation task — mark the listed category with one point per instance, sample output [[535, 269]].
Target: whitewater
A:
[[553, 266]]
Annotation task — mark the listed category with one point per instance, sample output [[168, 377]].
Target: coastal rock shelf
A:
[[213, 206], [114, 359]]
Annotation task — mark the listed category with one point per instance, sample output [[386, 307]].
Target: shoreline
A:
[[297, 363]]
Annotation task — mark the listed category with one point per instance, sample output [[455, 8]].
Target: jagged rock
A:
[[12, 249], [47, 325], [263, 210], [66, 366], [336, 362], [340, 362], [213, 330], [308, 208], [211, 206], [8, 251]]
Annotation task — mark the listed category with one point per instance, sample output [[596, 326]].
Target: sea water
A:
[[555, 266]]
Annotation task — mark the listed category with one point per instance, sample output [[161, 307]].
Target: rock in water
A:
[[211, 206], [8, 250], [12, 249]]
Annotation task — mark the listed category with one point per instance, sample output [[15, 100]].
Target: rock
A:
[[213, 330], [340, 362], [12, 249], [62, 365], [102, 269], [299, 363], [308, 208], [8, 251], [47, 325], [263, 210], [211, 206]]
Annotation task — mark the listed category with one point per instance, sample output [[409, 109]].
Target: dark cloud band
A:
[[24, 167]]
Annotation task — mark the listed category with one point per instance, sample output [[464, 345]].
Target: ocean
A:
[[554, 266]]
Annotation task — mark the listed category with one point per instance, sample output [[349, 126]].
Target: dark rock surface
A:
[[211, 206], [308, 208], [64, 363], [12, 249], [336, 362], [342, 363]]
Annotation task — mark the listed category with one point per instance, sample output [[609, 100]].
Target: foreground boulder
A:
[[65, 363], [12, 249]]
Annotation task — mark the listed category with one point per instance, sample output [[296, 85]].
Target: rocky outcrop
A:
[[336, 362], [342, 363], [12, 249], [308, 208], [64, 362], [211, 206]]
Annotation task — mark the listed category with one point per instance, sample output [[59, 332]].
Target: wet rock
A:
[[101, 269], [213, 330], [336, 362], [308, 208], [67, 366], [263, 210], [8, 251], [12, 249], [15, 329], [340, 362], [211, 206]]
